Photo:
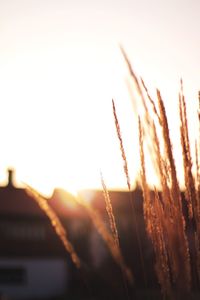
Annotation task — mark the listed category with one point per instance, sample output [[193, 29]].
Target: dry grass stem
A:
[[187, 164], [135, 222], [153, 217], [180, 259], [151, 100], [164, 219], [107, 237], [133, 75], [190, 185], [121, 146], [110, 213], [197, 170], [169, 153], [55, 222]]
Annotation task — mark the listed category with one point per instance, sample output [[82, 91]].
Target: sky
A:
[[60, 67]]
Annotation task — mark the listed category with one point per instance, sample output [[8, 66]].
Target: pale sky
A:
[[60, 67]]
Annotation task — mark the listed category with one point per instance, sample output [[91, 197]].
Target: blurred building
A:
[[34, 263], [32, 259], [127, 208]]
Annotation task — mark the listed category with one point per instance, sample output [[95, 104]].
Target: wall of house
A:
[[29, 278]]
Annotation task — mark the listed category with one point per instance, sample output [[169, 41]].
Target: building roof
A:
[[64, 204], [120, 200], [16, 201]]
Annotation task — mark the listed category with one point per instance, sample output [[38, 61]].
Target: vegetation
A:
[[173, 228]]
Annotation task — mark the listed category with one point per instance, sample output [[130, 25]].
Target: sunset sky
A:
[[60, 67]]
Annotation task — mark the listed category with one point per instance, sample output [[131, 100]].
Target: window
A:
[[22, 230], [12, 276]]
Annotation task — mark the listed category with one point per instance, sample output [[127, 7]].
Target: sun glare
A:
[[64, 130], [58, 77]]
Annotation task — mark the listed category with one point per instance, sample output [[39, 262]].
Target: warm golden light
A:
[[60, 67]]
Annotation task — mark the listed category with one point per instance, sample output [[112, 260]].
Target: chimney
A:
[[10, 178]]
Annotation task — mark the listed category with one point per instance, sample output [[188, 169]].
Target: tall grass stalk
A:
[[126, 171], [107, 237], [191, 193], [172, 219], [55, 221], [119, 135], [96, 219], [163, 213], [177, 242], [110, 213], [153, 214]]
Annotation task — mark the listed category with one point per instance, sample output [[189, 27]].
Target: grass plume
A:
[[110, 213], [55, 222], [107, 237], [119, 135], [135, 221], [163, 212]]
